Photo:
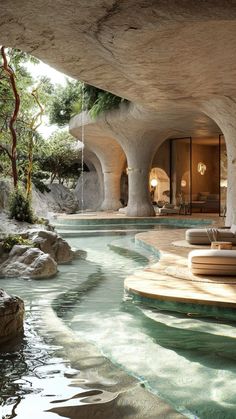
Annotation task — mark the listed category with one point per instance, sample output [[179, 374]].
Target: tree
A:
[[61, 158], [8, 77], [76, 97], [33, 100]]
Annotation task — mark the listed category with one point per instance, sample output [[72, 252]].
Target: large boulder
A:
[[89, 187], [28, 262], [11, 317], [6, 187], [59, 199], [49, 242]]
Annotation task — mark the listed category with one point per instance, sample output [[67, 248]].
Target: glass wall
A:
[[223, 175], [195, 172], [180, 163]]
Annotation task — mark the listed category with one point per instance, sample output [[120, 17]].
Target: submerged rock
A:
[[11, 316], [28, 262]]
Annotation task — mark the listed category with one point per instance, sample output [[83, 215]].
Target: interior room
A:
[[191, 172]]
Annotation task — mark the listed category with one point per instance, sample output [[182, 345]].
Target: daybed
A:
[[167, 209], [207, 235]]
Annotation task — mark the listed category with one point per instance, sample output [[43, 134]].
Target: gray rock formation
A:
[[11, 316], [92, 196], [28, 262], [6, 186], [49, 242], [59, 199]]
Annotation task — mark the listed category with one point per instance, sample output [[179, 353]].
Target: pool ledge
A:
[[170, 281]]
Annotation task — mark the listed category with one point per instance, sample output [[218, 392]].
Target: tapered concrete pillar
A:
[[111, 200], [223, 111], [139, 165]]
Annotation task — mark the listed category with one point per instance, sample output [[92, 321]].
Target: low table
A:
[[220, 245]]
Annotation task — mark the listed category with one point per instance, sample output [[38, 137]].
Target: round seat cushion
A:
[[212, 262]]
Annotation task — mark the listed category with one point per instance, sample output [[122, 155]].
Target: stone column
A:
[[139, 159], [111, 200]]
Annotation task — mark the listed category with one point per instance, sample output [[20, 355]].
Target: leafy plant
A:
[[76, 97], [20, 207], [11, 240]]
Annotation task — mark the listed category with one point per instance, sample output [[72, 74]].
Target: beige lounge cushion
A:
[[205, 236], [212, 262], [213, 256]]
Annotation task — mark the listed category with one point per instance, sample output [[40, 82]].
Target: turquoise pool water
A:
[[188, 361]]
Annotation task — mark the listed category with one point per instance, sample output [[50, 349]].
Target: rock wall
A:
[[92, 192], [59, 199]]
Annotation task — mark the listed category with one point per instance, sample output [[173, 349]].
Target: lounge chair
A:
[[208, 235], [167, 209], [212, 262]]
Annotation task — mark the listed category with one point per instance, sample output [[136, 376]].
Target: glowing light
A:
[[154, 182], [201, 168]]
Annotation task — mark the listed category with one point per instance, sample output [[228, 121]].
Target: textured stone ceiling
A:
[[159, 54]]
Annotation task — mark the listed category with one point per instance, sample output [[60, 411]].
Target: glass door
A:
[[180, 176], [223, 175]]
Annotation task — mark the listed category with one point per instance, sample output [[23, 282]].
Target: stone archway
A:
[[159, 192]]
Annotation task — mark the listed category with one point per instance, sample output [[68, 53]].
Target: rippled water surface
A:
[[190, 362]]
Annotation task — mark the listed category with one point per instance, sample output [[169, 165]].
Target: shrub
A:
[[20, 207], [10, 241]]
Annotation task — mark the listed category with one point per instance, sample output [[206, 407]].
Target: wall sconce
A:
[[154, 183], [201, 168], [223, 183], [183, 183]]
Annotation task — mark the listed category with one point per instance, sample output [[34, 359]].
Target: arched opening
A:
[[159, 185]]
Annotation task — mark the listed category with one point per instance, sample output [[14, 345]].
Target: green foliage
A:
[[18, 61], [76, 97], [105, 102], [63, 102], [11, 240], [38, 181], [20, 207], [61, 158]]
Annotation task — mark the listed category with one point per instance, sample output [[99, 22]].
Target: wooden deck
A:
[[170, 279]]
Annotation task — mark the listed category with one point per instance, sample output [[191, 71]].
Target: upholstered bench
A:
[[212, 262], [207, 235]]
